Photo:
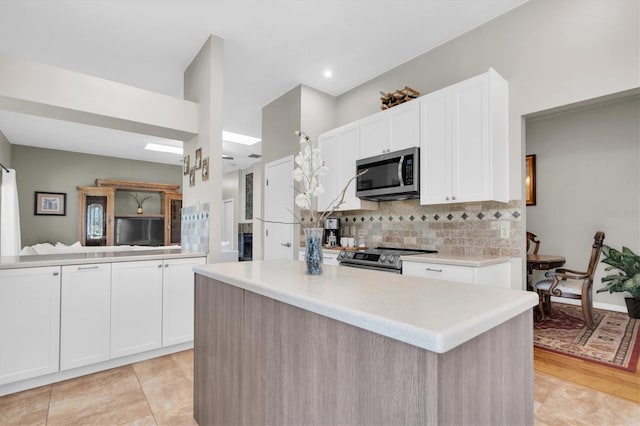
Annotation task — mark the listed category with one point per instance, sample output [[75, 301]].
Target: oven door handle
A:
[[400, 167], [373, 268]]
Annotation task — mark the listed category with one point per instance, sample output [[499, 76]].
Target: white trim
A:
[[597, 305], [89, 369]]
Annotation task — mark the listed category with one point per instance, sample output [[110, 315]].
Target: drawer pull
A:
[[433, 269], [84, 268], [329, 258]]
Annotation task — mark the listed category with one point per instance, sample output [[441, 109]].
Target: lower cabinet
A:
[[136, 307], [178, 300], [328, 257], [497, 275], [29, 323], [85, 320]]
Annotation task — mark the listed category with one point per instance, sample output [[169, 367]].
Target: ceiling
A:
[[270, 47]]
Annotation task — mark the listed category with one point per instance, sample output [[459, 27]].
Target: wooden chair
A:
[[562, 283], [533, 238]]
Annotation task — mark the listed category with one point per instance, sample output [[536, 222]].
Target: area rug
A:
[[614, 342]]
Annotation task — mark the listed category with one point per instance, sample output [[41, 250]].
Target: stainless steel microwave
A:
[[389, 176]]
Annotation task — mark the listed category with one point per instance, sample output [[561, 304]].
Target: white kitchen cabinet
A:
[[85, 320], [136, 307], [178, 300], [390, 130], [496, 275], [29, 322], [463, 142], [339, 150]]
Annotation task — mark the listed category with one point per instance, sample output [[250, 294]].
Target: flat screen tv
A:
[[139, 231]]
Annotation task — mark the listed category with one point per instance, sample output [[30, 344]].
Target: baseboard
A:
[[597, 305], [89, 369]]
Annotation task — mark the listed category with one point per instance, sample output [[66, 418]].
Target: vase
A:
[[139, 211], [313, 250]]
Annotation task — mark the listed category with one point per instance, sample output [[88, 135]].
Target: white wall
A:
[[48, 91], [587, 179], [5, 155], [203, 83]]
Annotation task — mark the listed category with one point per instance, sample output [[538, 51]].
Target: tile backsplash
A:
[[195, 228], [463, 229]]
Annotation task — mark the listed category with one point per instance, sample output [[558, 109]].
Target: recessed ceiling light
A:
[[328, 73], [164, 148], [238, 138]]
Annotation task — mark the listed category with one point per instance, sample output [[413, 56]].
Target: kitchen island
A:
[[353, 346]]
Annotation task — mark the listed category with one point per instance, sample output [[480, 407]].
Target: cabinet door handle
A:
[[447, 198], [166, 265], [55, 274], [84, 268], [433, 269], [160, 265], [453, 198]]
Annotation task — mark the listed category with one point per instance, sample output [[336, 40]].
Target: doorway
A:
[[278, 207]]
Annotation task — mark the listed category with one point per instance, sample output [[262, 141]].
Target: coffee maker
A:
[[331, 236]]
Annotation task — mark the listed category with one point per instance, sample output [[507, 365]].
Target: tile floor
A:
[[160, 392]]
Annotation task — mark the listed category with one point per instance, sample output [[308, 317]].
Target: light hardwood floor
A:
[[599, 377], [160, 392]]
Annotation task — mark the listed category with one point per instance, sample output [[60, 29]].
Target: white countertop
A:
[[452, 259], [32, 261], [431, 314]]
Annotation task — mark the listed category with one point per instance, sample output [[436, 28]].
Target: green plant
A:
[[628, 279]]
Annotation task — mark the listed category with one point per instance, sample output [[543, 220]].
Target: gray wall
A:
[[552, 53], [280, 119], [588, 179], [318, 112], [40, 169], [5, 151]]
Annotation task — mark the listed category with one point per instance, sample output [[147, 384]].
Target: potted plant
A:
[[627, 279]]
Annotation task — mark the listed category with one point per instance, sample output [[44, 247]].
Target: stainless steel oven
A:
[[379, 258]]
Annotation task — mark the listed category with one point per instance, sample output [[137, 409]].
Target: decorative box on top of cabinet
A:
[[393, 129], [464, 148], [29, 323], [339, 149]]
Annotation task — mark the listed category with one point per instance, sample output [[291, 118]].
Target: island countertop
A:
[[431, 314], [61, 259]]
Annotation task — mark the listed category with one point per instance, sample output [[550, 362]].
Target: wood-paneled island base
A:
[[274, 346]]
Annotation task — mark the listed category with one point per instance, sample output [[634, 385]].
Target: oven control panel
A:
[[363, 258]]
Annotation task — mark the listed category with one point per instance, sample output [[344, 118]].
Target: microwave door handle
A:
[[400, 168]]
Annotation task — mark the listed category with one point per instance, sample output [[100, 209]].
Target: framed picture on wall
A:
[[198, 163], [185, 164], [192, 176], [205, 169], [530, 180], [50, 204]]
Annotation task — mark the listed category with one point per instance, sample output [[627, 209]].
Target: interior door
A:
[[227, 221], [278, 207]]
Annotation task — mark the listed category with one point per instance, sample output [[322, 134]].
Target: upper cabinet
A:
[[390, 130], [339, 150], [463, 142]]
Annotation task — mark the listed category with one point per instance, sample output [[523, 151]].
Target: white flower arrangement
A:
[[309, 167]]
